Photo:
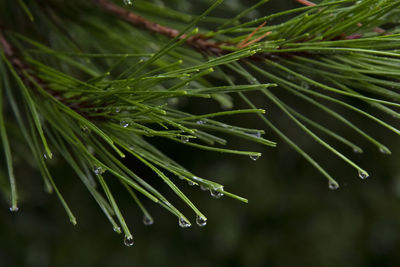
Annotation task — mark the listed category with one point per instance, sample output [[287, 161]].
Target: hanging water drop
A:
[[357, 150], [128, 241], [184, 138], [117, 229], [14, 209], [147, 220], [203, 188], [190, 183], [254, 157], [363, 174], [124, 123], [201, 221], [384, 150], [183, 223], [117, 110], [200, 122], [215, 193], [333, 185]]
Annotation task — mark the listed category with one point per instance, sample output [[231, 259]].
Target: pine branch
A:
[[94, 90]]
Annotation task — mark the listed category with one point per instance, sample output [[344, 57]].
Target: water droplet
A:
[[332, 185], [215, 193], [258, 134], [203, 187], [147, 220], [47, 156], [128, 2], [385, 150], [124, 123], [200, 122], [305, 85], [357, 150], [253, 80], [201, 221], [190, 183], [84, 129], [97, 170], [131, 147], [363, 174], [117, 229], [14, 209], [184, 139], [117, 110], [128, 241], [173, 101], [183, 223], [254, 157]]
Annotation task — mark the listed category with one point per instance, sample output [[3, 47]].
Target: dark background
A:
[[292, 218]]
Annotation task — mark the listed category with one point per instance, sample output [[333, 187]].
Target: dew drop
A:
[[190, 183], [333, 185], [253, 80], [97, 170], [200, 122], [128, 241], [201, 221], [184, 139], [204, 188], [147, 220], [290, 77], [258, 134], [128, 2], [47, 156], [215, 193], [385, 150], [124, 123], [117, 229], [183, 223], [254, 157], [305, 85], [363, 174], [357, 150], [84, 129], [14, 209], [117, 110]]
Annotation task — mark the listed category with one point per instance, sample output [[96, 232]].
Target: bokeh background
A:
[[292, 218]]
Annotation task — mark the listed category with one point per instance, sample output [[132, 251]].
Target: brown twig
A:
[[198, 42], [306, 3]]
